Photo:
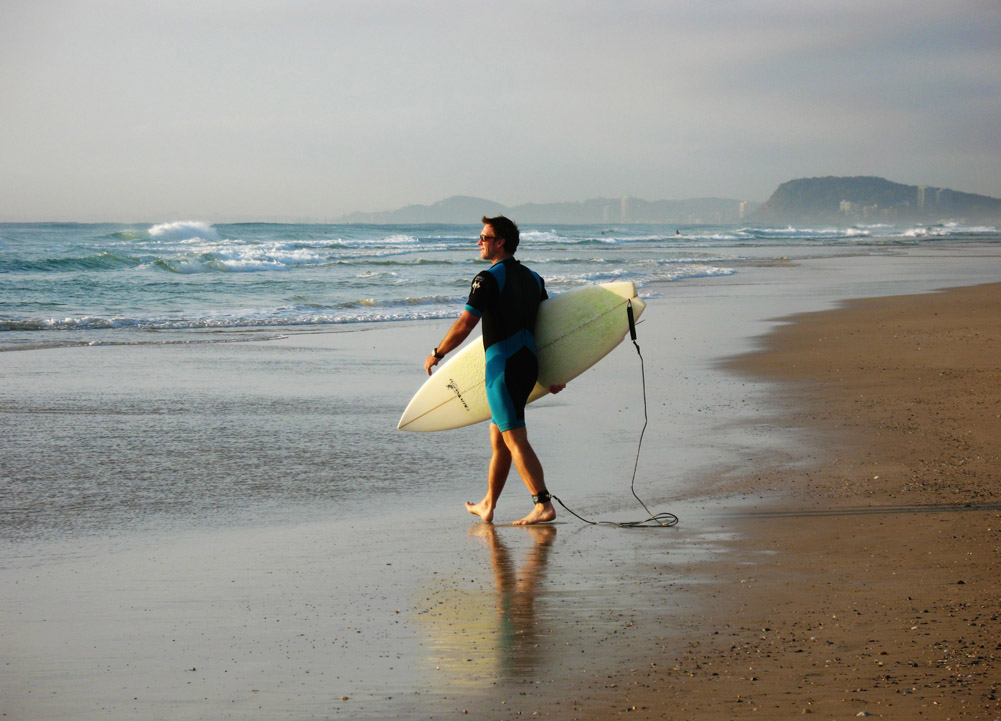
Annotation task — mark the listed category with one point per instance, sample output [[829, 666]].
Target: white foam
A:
[[183, 230], [249, 259], [946, 230]]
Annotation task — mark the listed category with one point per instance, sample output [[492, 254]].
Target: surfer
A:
[[506, 297]]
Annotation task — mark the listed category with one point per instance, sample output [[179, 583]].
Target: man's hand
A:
[[460, 329]]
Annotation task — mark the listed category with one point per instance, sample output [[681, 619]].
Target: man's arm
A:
[[459, 331]]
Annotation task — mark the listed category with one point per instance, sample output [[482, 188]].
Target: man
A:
[[507, 298]]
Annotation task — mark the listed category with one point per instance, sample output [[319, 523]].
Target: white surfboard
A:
[[573, 331]]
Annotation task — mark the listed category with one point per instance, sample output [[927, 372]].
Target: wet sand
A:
[[867, 582], [237, 530]]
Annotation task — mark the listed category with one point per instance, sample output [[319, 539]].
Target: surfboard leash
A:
[[654, 520]]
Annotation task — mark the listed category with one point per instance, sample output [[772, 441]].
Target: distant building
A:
[[922, 196]]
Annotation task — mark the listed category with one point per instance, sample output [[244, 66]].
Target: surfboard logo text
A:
[[458, 394]]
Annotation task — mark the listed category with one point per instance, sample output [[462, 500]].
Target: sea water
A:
[[63, 284]]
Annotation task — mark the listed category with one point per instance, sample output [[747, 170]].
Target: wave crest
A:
[[181, 230]]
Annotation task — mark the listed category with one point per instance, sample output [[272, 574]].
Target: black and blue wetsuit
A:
[[507, 298]]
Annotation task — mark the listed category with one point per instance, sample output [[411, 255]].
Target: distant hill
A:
[[462, 209], [864, 198], [806, 200]]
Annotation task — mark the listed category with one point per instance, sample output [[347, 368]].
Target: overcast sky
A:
[[276, 109]]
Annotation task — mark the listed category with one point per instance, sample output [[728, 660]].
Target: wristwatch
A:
[[436, 354]]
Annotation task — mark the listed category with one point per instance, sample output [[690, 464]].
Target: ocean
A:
[[67, 284]]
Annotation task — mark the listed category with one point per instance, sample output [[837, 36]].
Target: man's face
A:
[[491, 247]]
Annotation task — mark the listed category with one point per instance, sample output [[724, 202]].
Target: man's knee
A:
[[497, 439], [516, 438]]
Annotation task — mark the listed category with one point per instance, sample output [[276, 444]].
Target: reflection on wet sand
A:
[[517, 590], [480, 635]]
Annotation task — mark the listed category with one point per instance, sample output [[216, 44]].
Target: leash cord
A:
[[658, 520]]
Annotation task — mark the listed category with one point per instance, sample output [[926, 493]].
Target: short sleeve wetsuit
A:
[[507, 298]]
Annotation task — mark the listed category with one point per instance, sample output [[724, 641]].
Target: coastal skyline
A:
[[266, 110]]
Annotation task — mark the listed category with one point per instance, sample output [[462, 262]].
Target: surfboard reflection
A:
[[481, 635]]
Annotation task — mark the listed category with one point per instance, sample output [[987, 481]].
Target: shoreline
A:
[[869, 586]]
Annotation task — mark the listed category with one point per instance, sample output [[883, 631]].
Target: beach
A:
[[297, 557], [871, 586]]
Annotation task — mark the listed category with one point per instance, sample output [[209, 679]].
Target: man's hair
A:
[[506, 229]]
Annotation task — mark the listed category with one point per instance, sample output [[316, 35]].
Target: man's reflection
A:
[[480, 636], [517, 590]]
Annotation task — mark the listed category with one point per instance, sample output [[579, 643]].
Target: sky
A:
[[131, 111]]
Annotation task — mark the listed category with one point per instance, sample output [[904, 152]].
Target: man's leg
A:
[[500, 466], [530, 469]]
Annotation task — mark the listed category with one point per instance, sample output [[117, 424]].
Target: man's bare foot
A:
[[542, 513], [481, 509]]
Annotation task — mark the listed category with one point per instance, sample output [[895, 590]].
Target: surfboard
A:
[[573, 331]]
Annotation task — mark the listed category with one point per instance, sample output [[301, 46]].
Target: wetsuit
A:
[[507, 298]]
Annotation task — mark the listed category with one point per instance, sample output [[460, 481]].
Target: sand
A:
[[868, 581], [839, 559]]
